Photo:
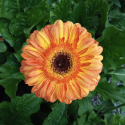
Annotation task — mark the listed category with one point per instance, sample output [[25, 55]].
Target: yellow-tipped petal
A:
[[59, 23]]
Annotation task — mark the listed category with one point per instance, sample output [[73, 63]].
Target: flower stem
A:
[[18, 5], [112, 109]]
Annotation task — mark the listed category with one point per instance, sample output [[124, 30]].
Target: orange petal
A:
[[55, 33], [35, 45], [69, 92], [98, 51], [58, 93], [92, 87], [85, 78], [85, 44], [25, 56], [85, 64], [51, 89], [45, 37], [34, 53], [28, 68], [74, 35], [26, 74], [32, 36], [91, 50], [84, 91], [67, 101], [86, 58], [29, 47], [37, 87], [59, 23], [91, 73], [41, 42], [47, 30], [44, 89], [82, 52], [32, 62], [35, 73], [76, 88], [33, 80], [66, 32], [53, 97], [23, 62], [82, 83], [84, 37], [99, 57], [95, 65], [70, 25], [74, 44], [83, 31], [63, 90], [21, 69]]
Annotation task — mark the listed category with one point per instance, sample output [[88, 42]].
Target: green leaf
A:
[[23, 23], [8, 8], [92, 6], [45, 8], [109, 91], [82, 120], [18, 55], [93, 118], [19, 41], [105, 106], [19, 110], [10, 75], [34, 16], [4, 30], [55, 116], [50, 2], [104, 15], [116, 14], [85, 107], [79, 13], [40, 25], [116, 2], [118, 75], [18, 24], [108, 119], [122, 2], [3, 47], [27, 4], [28, 124], [3, 57], [73, 109], [112, 49], [116, 19], [91, 93], [64, 120], [60, 10], [117, 119]]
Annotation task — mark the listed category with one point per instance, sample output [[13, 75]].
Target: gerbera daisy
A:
[[62, 61]]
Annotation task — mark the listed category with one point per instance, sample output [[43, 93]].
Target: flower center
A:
[[62, 63]]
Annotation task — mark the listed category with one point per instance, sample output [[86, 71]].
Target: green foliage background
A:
[[105, 19]]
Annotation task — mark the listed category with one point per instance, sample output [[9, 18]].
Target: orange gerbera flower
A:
[[62, 61]]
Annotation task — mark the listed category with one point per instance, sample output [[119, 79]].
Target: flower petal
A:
[[44, 88], [69, 92], [51, 89], [35, 73], [59, 23]]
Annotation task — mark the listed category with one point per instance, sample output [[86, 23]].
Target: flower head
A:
[[62, 61]]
